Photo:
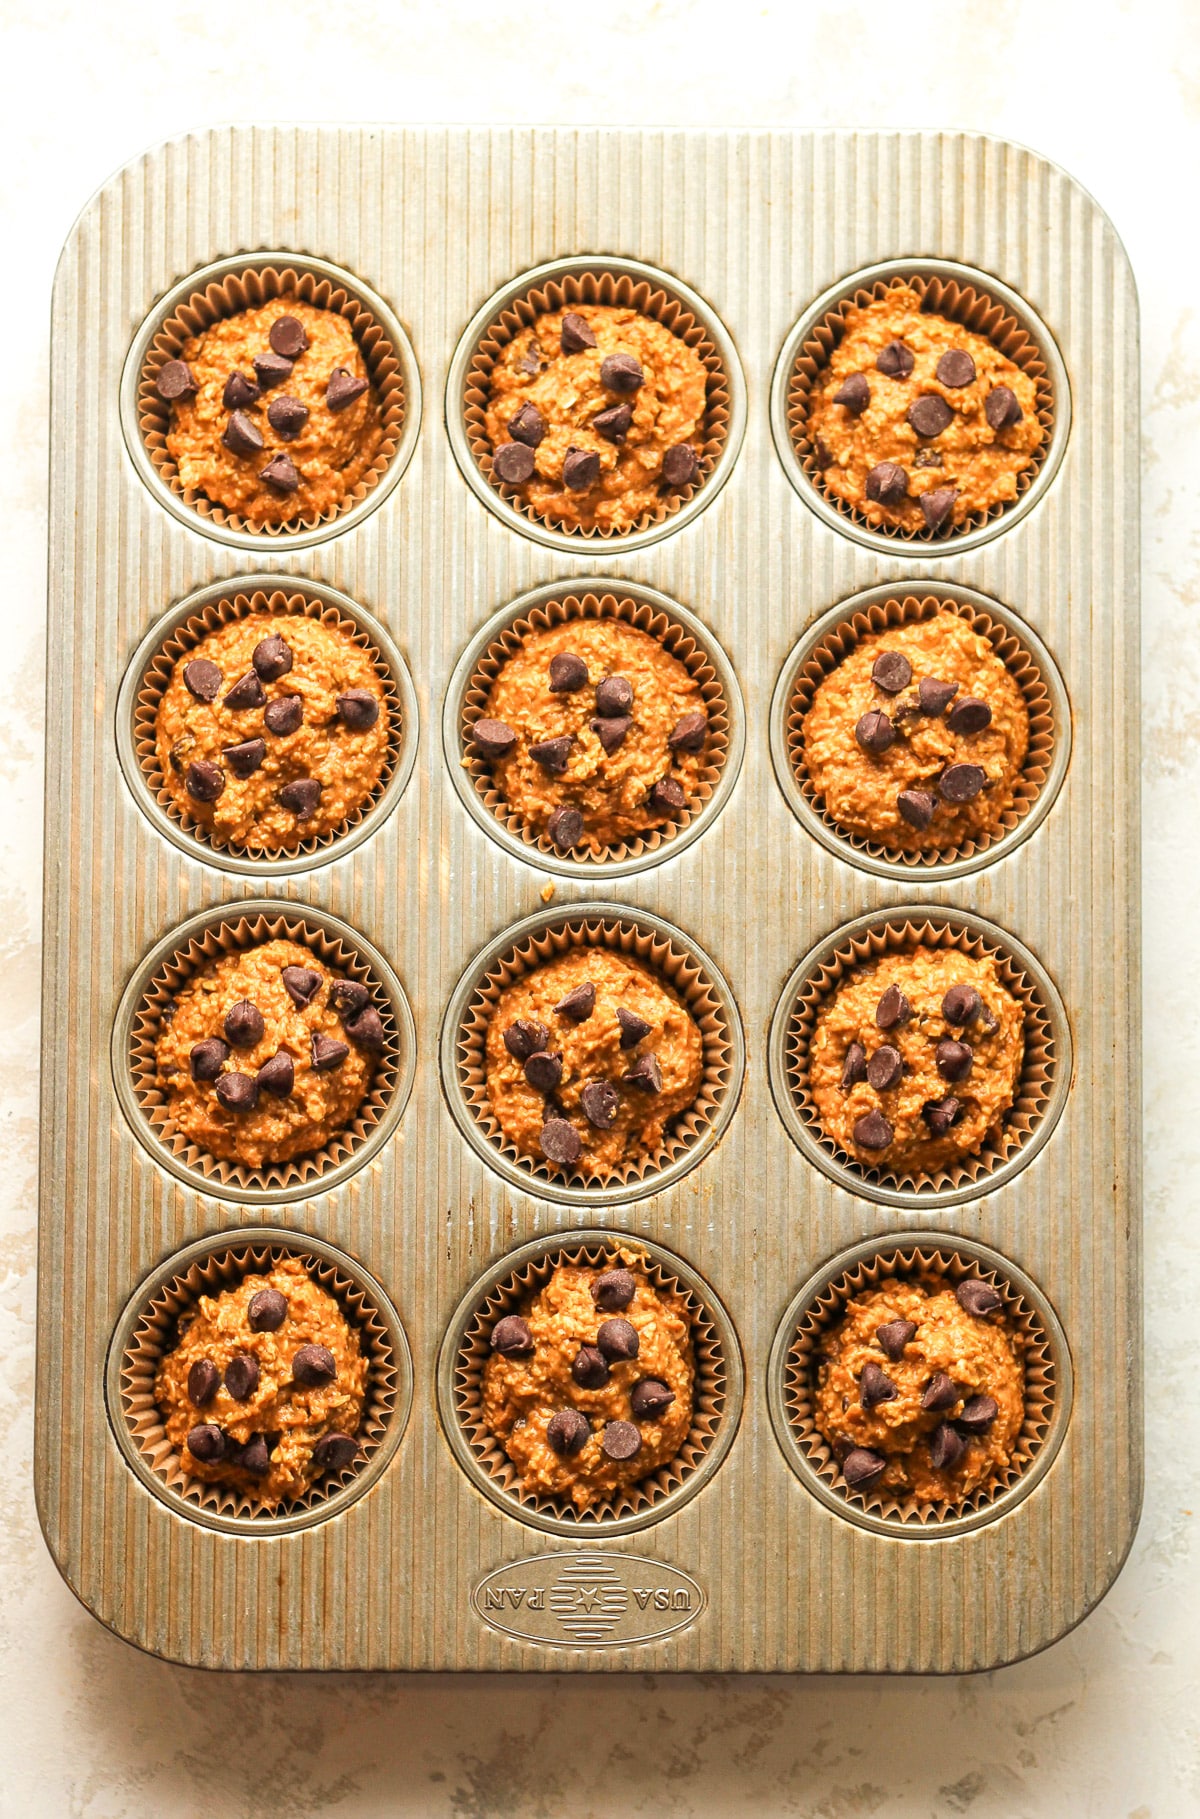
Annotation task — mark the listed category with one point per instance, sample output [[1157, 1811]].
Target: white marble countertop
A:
[[1106, 1723]]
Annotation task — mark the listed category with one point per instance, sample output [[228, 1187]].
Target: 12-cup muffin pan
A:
[[750, 1552]]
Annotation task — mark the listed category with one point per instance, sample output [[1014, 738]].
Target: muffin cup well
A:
[[466, 1348], [623, 283], [1045, 1072], [183, 628], [680, 633], [663, 949], [832, 639], [152, 1323], [173, 963], [817, 1309]]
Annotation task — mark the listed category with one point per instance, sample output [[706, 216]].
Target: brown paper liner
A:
[[1037, 1069], [909, 609], [161, 1325], [972, 309], [800, 1374], [610, 289], [504, 1295], [160, 994], [249, 290], [282, 604], [664, 956], [674, 638]]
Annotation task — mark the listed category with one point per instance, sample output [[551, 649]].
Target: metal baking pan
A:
[[759, 1567]]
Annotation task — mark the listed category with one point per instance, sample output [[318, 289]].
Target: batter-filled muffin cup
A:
[[639, 703], [920, 407], [268, 723], [271, 401], [596, 403]]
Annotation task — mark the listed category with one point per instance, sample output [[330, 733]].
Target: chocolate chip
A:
[[667, 797], [575, 333], [287, 416], [349, 998], [239, 392], [976, 1297], [492, 738], [650, 1398], [237, 1092], [614, 423], [254, 1457], [884, 1068], [822, 454], [876, 1386], [934, 696], [301, 797], [988, 1020], [314, 1366], [358, 709], [891, 671], [366, 1030], [301, 984], [937, 506], [929, 415], [589, 1367], [861, 1467], [956, 368], [978, 1413], [513, 463], [272, 658], [243, 760], [568, 673], [278, 1075], [525, 1037], [207, 1058], [334, 1452], [202, 679], [544, 1071], [553, 754], [246, 693], [689, 733], [887, 484], [578, 1004], [929, 457], [896, 360], [873, 1132], [272, 369], [287, 336], [1002, 408], [633, 1027], [875, 732], [343, 388], [560, 1142], [621, 373], [954, 1060], [941, 1115], [202, 1382], [916, 807], [970, 715], [961, 1004], [241, 1376], [893, 1008], [206, 1443], [266, 1310], [894, 1335], [614, 696], [244, 1025], [175, 379], [614, 1289], [568, 1431], [284, 715], [945, 1448], [611, 733], [511, 1336], [855, 1067], [281, 473], [618, 1340], [600, 1100], [645, 1074], [580, 469], [528, 425], [854, 394], [940, 1392], [327, 1053], [242, 435], [680, 465], [961, 782], [621, 1440]]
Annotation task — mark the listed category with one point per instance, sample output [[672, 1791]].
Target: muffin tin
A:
[[753, 1557]]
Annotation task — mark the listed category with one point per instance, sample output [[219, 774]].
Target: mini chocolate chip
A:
[[314, 1366], [266, 1310], [861, 1467], [525, 1037], [348, 997], [855, 1067], [937, 506], [667, 797], [961, 1004], [961, 782], [272, 658], [614, 423], [614, 1289], [618, 1340], [873, 1132], [327, 1053], [580, 469], [954, 1060], [633, 1027], [929, 457], [492, 738], [568, 1431], [284, 715], [946, 1447], [544, 1071], [202, 679], [254, 1457], [875, 732], [935, 696], [680, 465], [891, 671], [575, 333], [956, 368], [645, 1074], [568, 673], [887, 484], [600, 1100], [287, 336], [893, 1008], [621, 373], [203, 1381], [242, 435], [650, 1398], [929, 415], [237, 1092], [976, 1297], [241, 1376], [272, 369], [578, 1004], [513, 463], [528, 425], [553, 754], [884, 1068], [611, 733], [281, 473], [208, 1057], [689, 733], [989, 1023], [278, 1075], [894, 1335], [366, 1030], [941, 1115], [854, 394], [560, 1142], [244, 1025], [589, 1367], [614, 696], [239, 392], [246, 693], [343, 388], [175, 379], [206, 1443], [301, 984], [511, 1336], [970, 715], [287, 416], [334, 1452], [876, 1386], [916, 807], [977, 1414], [243, 760], [358, 709], [1002, 407], [939, 1392], [896, 360], [301, 797], [621, 1440]]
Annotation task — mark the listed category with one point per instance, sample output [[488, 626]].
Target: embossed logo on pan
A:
[[588, 1600]]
